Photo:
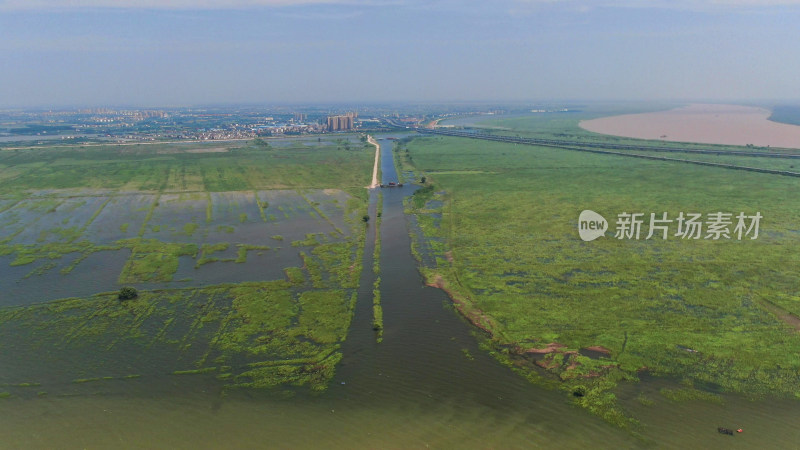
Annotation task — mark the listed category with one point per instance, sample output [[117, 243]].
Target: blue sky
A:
[[190, 52]]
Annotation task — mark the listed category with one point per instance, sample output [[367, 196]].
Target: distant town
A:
[[120, 125]]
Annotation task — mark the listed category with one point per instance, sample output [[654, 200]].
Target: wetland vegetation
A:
[[252, 292], [149, 220], [185, 167], [260, 334], [377, 310], [500, 235]]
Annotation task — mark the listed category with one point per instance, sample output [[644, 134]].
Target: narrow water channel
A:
[[429, 375]]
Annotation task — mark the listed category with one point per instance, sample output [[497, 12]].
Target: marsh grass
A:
[[246, 335], [229, 331], [377, 309], [506, 247], [690, 394], [208, 249], [244, 248], [153, 260], [295, 275], [157, 168]]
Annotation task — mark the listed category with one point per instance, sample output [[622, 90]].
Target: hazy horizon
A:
[[178, 53], [480, 105]]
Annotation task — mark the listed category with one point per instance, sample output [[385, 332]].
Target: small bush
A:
[[128, 293]]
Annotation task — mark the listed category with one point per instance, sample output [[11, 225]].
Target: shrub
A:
[[127, 293]]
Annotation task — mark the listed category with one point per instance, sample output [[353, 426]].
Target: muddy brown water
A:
[[427, 385]]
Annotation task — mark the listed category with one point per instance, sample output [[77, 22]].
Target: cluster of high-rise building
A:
[[342, 123]]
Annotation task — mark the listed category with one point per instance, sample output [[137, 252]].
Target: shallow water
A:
[[24, 285], [103, 220], [426, 385]]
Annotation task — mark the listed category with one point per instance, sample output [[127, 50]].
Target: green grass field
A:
[[210, 167], [719, 315]]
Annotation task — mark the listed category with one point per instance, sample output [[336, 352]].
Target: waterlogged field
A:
[[500, 235], [212, 167], [246, 261], [260, 334]]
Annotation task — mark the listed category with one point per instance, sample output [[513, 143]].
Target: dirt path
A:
[[375, 182], [785, 316]]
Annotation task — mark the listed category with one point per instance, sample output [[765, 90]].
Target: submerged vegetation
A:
[[160, 208], [501, 237], [377, 309], [251, 334]]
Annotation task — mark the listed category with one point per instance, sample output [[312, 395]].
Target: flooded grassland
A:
[[715, 318], [256, 326], [252, 287], [251, 364]]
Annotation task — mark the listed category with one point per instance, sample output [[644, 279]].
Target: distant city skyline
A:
[[185, 53]]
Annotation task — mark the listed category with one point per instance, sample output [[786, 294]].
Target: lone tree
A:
[[127, 293], [365, 218], [262, 143], [423, 180]]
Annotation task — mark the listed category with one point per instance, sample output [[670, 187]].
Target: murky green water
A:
[[426, 385]]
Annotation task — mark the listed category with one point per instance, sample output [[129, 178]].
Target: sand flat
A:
[[708, 124]]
